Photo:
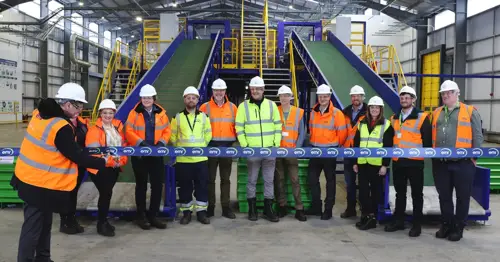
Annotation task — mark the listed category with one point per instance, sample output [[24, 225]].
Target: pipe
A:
[[72, 49], [180, 9]]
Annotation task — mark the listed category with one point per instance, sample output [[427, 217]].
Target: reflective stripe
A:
[[47, 168], [187, 207], [136, 128], [324, 145], [240, 133], [380, 139], [95, 144], [288, 140], [221, 120], [262, 121], [409, 144], [464, 140], [344, 127], [461, 123], [49, 126], [162, 126], [322, 126], [277, 122], [240, 124], [39, 143], [224, 139], [139, 141], [162, 140], [196, 140], [269, 133]]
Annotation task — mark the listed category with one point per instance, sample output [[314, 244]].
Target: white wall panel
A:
[[477, 88], [496, 90], [450, 36], [495, 125], [480, 26], [479, 66], [484, 110], [480, 49]]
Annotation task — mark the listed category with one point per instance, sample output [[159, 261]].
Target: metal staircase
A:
[[119, 89], [391, 80], [254, 34], [274, 79]]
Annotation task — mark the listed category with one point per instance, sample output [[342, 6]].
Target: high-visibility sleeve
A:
[[132, 138], [167, 132], [342, 130], [277, 125], [208, 131], [240, 125], [174, 132]]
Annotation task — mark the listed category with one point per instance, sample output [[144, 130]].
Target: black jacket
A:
[[54, 200], [348, 113], [387, 140], [426, 133]]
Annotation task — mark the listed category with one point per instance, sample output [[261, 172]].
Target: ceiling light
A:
[[290, 6], [132, 36], [312, 1], [118, 28], [102, 17], [80, 3], [138, 18], [174, 4], [1, 16]]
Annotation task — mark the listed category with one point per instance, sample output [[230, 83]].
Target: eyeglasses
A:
[[77, 105]]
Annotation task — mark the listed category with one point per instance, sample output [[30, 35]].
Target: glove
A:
[[111, 162]]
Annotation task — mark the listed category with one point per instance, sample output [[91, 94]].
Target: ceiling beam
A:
[[179, 9], [390, 11]]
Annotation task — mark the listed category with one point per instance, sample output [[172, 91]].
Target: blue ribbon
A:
[[306, 152]]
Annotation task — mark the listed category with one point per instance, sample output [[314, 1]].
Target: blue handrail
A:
[[210, 70]]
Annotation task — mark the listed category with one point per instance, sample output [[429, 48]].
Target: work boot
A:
[[201, 216], [186, 218], [444, 230], [300, 215], [349, 212], [227, 212], [252, 209], [315, 210], [362, 221], [327, 214], [269, 212], [456, 233], [69, 225], [282, 211], [395, 226], [415, 230], [155, 222], [142, 222], [371, 222], [105, 229], [210, 211]]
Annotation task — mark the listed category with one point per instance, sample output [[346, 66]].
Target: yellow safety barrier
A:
[[241, 31], [260, 57], [250, 53], [294, 78], [106, 83], [229, 53], [122, 55], [271, 48], [151, 29], [151, 51], [135, 71]]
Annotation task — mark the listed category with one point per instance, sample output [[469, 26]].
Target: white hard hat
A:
[[191, 90], [107, 104], [219, 84], [71, 91], [376, 101], [257, 82], [323, 90], [147, 90], [357, 90], [448, 85], [284, 90], [408, 90]]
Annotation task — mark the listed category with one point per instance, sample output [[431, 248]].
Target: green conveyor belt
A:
[[184, 69]]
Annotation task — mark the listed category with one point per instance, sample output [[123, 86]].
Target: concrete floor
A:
[[243, 240]]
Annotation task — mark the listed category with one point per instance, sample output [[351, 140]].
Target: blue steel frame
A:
[[210, 71], [191, 23], [317, 27]]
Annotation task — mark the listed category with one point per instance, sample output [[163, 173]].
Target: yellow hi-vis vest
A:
[[183, 136], [258, 126], [372, 140]]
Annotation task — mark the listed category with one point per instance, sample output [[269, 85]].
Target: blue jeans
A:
[[350, 182]]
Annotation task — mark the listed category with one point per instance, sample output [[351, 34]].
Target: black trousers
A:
[[154, 169], [457, 175], [328, 165], [370, 188], [73, 197], [104, 181], [416, 177], [192, 178], [34, 241]]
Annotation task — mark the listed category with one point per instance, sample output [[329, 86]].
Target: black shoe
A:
[[395, 226], [69, 225], [252, 209], [105, 229], [227, 212], [327, 214], [371, 222], [210, 211], [456, 233], [282, 211], [444, 230], [362, 221], [415, 230], [201, 216], [186, 218], [349, 212], [269, 212], [315, 210], [154, 222], [300, 215], [142, 222]]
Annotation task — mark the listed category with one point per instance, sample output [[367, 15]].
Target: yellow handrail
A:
[[397, 64], [241, 31], [265, 18], [260, 56], [132, 78], [252, 53], [232, 53], [292, 70], [106, 82]]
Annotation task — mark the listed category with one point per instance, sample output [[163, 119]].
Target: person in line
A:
[[46, 171], [222, 114], [148, 125], [258, 124], [454, 125], [354, 113], [191, 128], [374, 131], [412, 129], [292, 136], [328, 129], [107, 131]]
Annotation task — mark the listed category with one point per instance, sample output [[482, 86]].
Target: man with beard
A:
[[354, 113], [191, 128], [412, 129]]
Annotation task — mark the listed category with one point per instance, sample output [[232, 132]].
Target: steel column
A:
[[67, 36], [421, 46], [85, 70], [460, 44], [43, 53]]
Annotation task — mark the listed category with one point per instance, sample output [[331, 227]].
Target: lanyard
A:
[[189, 123], [447, 114]]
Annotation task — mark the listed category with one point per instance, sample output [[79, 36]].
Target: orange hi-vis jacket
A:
[[407, 135], [135, 127], [464, 126], [222, 118], [351, 131], [290, 126], [328, 129], [40, 164], [96, 137]]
